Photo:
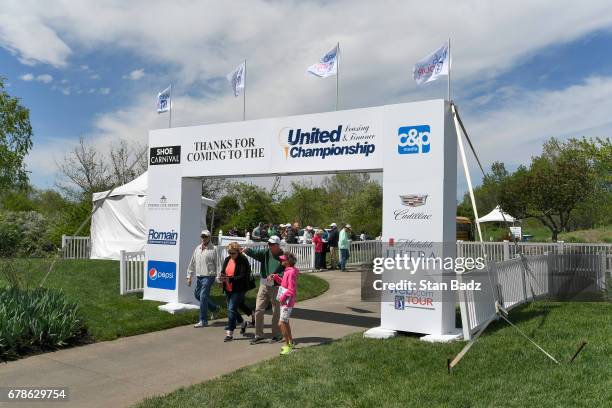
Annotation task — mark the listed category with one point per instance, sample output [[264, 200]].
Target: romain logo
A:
[[163, 199], [413, 139], [162, 237], [413, 200]]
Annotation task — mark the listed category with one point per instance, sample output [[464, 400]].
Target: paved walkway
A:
[[124, 371]]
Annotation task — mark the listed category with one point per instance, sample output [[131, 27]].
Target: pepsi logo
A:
[[152, 273]]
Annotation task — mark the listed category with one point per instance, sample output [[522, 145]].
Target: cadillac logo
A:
[[413, 200]]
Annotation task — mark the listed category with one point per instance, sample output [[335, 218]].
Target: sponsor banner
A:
[[165, 155], [162, 237], [161, 275], [413, 139], [162, 203]]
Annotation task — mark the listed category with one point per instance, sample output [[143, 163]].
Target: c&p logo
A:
[[413, 139], [161, 275]]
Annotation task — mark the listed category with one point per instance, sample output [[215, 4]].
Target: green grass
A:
[[595, 235], [542, 234], [94, 285], [501, 369]]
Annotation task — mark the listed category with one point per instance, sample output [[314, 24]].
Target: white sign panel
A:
[[413, 144]]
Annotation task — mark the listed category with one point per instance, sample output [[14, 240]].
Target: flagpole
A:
[[170, 109], [337, 70], [449, 69], [244, 93]]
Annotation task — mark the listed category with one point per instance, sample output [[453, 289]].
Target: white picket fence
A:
[[75, 247], [132, 272]]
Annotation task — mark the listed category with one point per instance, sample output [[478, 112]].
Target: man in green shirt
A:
[[270, 263]]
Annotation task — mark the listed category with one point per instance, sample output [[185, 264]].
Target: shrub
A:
[[24, 234], [36, 319]]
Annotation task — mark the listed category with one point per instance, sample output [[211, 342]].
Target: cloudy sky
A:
[[523, 71]]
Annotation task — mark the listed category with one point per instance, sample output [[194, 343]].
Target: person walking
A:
[[317, 240], [203, 264], [332, 243], [308, 234], [287, 294], [343, 245], [270, 263], [292, 233], [234, 276], [256, 233]]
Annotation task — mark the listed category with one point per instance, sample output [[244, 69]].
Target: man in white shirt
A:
[[204, 265]]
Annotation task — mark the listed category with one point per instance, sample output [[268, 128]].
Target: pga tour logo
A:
[[413, 139]]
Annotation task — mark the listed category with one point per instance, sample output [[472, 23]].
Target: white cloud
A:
[[29, 37], [380, 42], [94, 76], [45, 78], [104, 91], [516, 130], [135, 75]]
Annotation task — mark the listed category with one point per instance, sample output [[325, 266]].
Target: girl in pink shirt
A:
[[287, 292]]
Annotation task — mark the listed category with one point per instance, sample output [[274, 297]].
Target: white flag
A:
[[432, 66], [328, 65], [237, 78], [163, 100]]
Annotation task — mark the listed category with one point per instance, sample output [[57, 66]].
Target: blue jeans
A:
[[202, 294], [234, 300], [344, 255]]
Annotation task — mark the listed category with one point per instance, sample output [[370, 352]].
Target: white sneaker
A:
[[200, 324]]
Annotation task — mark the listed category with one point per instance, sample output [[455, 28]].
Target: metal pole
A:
[[449, 68], [170, 109], [337, 70], [244, 94]]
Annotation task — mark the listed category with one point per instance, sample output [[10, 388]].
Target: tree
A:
[[486, 195], [553, 186], [15, 140], [87, 169], [127, 163]]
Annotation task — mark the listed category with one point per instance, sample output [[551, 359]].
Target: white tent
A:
[[497, 215], [119, 222]]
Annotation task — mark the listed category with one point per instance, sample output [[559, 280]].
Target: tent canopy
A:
[[138, 186], [497, 215], [119, 221]]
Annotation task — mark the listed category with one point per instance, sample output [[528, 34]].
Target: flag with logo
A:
[[327, 65], [432, 66], [163, 100], [237, 78]]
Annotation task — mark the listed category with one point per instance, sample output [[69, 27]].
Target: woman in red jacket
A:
[[317, 240]]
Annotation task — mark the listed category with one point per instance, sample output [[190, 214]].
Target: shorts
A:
[[285, 313]]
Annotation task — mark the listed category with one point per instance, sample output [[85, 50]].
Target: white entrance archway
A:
[[413, 144]]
